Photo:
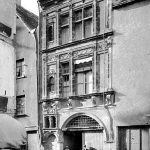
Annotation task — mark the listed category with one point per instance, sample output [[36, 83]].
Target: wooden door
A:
[[92, 140]]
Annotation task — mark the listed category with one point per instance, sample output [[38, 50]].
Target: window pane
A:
[[50, 84], [87, 28], [88, 82], [65, 19], [50, 33], [20, 105], [66, 91], [65, 35], [80, 83], [87, 12], [78, 15], [20, 68], [78, 31]]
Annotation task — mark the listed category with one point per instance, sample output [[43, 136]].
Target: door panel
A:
[[93, 140], [135, 139]]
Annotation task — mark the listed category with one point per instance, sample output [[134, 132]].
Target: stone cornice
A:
[[97, 37], [122, 3]]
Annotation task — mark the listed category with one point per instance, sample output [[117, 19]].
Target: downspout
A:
[[39, 69]]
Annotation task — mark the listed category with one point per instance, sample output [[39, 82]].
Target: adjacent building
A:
[[94, 74], [18, 77], [25, 42]]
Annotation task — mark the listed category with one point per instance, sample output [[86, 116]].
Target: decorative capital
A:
[[105, 44]]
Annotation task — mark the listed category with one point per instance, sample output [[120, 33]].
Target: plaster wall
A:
[[26, 48], [7, 73], [130, 64], [8, 10]]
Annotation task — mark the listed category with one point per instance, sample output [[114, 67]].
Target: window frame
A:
[[61, 27], [49, 116], [48, 34], [84, 72], [22, 72], [83, 20], [24, 113], [62, 75]]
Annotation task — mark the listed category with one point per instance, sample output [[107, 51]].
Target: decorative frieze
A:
[[105, 44], [86, 51]]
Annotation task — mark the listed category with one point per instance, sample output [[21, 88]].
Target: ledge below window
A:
[[81, 97], [20, 115]]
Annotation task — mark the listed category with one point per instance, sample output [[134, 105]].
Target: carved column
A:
[[60, 140], [57, 28], [44, 77], [94, 18], [71, 75], [109, 44], [70, 23], [94, 72], [57, 76]]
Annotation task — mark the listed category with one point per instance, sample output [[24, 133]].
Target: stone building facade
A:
[[94, 74]]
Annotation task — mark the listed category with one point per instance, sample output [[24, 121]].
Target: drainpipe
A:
[[39, 68]]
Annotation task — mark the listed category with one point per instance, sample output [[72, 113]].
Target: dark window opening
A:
[[20, 68], [50, 121], [50, 33], [46, 119], [50, 84]]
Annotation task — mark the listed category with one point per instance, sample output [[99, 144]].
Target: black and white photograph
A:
[[74, 74]]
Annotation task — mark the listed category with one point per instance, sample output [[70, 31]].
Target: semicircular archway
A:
[[83, 122]]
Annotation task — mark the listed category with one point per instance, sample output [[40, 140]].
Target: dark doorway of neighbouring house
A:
[[73, 140]]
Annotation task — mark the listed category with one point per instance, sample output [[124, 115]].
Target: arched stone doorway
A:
[[82, 129]]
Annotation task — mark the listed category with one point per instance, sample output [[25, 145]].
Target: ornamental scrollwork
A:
[[83, 52]]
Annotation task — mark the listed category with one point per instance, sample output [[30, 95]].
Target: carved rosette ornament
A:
[[105, 44]]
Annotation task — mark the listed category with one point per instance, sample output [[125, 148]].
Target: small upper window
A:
[[20, 68], [50, 32]]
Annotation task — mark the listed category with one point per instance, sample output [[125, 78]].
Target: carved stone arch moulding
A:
[[105, 126], [105, 44]]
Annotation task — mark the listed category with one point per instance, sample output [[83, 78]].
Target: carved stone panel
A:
[[83, 52], [51, 58], [105, 44]]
